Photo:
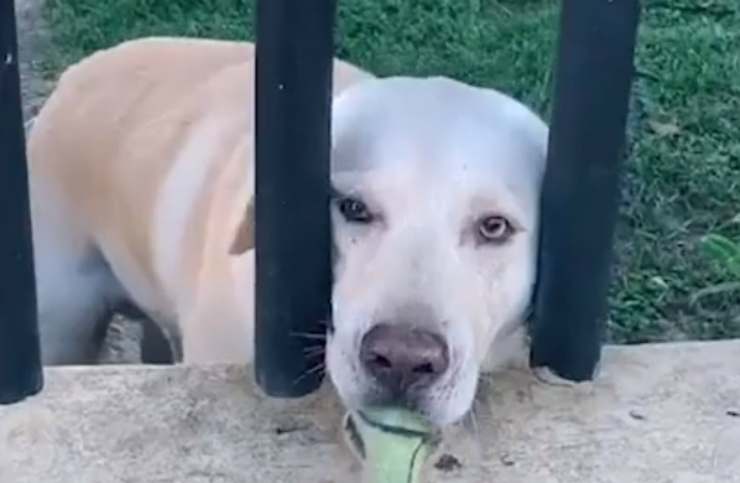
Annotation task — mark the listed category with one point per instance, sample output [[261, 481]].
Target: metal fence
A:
[[594, 70], [20, 363]]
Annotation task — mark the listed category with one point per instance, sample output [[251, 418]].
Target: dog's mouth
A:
[[441, 397]]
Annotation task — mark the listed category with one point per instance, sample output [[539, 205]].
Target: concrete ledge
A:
[[658, 413]]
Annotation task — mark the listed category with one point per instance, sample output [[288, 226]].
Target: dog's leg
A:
[[72, 311], [220, 326], [72, 283]]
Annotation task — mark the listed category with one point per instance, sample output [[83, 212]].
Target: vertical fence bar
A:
[[581, 187], [20, 361], [293, 245]]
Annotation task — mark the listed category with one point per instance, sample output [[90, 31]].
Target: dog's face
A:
[[435, 222]]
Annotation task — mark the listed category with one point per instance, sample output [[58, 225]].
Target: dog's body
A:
[[142, 183], [140, 168]]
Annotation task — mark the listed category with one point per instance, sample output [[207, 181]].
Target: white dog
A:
[[141, 166]]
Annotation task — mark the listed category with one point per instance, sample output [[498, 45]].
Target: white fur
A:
[[431, 157]]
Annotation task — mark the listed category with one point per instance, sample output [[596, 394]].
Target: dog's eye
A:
[[355, 210], [495, 229]]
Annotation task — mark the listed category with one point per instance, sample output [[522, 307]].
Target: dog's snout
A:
[[400, 357]]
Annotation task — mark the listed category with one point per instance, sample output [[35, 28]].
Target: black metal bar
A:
[[581, 187], [292, 236], [20, 361]]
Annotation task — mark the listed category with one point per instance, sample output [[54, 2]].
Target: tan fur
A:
[[107, 138]]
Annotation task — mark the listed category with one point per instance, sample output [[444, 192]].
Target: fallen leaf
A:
[[663, 129]]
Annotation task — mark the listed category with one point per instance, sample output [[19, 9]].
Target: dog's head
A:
[[435, 219]]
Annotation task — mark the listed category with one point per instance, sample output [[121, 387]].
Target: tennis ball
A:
[[392, 443]]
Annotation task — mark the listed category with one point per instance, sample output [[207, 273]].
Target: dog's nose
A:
[[400, 357]]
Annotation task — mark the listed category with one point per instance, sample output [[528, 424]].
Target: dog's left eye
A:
[[495, 229], [355, 210]]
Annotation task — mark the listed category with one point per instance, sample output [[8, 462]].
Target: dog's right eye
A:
[[355, 210]]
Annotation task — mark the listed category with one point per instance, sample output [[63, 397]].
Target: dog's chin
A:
[[440, 411], [452, 406]]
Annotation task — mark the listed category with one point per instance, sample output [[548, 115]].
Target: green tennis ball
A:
[[392, 443]]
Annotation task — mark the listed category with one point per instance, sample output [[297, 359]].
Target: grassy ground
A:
[[683, 179]]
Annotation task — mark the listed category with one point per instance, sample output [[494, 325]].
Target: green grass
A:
[[683, 178]]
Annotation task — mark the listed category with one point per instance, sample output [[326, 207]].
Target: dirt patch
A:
[[33, 37]]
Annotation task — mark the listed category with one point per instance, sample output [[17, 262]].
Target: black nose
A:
[[401, 357]]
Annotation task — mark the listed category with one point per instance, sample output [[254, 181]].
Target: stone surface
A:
[[656, 414]]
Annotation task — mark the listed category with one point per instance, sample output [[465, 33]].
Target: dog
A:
[[141, 177]]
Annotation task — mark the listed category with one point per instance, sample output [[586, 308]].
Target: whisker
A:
[[313, 370], [317, 368], [475, 427], [314, 352], [309, 335]]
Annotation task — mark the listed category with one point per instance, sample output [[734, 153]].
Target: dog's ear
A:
[[244, 236]]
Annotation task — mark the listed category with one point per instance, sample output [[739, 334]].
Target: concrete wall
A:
[[656, 414]]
